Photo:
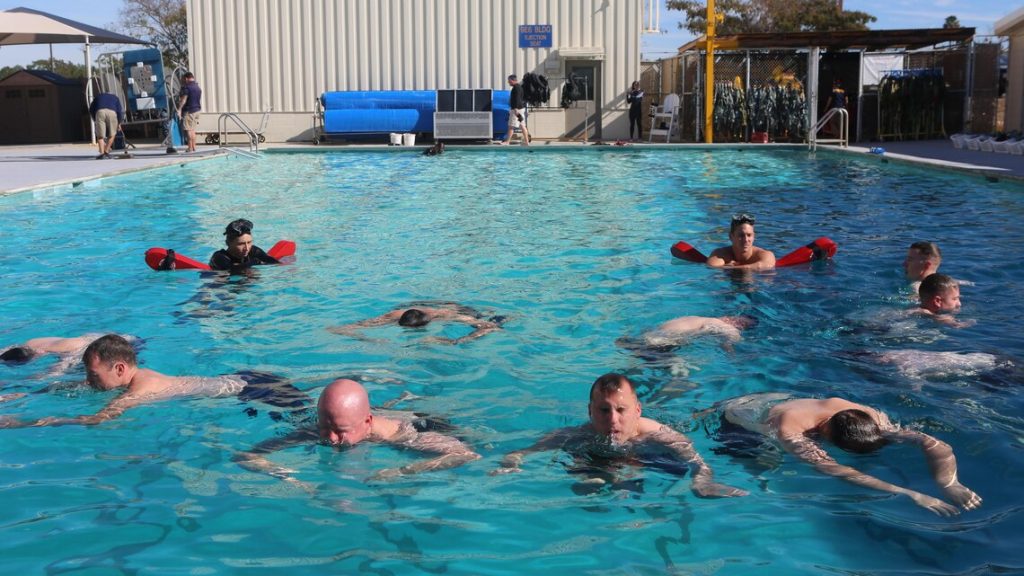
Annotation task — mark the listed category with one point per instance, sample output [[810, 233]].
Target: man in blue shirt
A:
[[106, 111], [189, 103]]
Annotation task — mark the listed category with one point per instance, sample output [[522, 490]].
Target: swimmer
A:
[[679, 331], [741, 254], [937, 365], [618, 432], [940, 299], [67, 350], [241, 252], [798, 423], [923, 259], [422, 315], [110, 363], [436, 150], [344, 419]]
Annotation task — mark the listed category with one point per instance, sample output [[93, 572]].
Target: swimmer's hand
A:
[[386, 474], [440, 340], [934, 504], [716, 490], [12, 422], [509, 464], [962, 496]]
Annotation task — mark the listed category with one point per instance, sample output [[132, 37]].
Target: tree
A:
[[62, 67], [746, 16], [951, 22], [163, 22]]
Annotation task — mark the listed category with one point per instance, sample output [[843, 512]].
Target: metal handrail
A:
[[844, 129], [222, 133]]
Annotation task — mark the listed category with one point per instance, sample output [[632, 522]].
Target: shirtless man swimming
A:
[[798, 423], [741, 254], [618, 433], [68, 350], [110, 363], [344, 418], [416, 317], [923, 259], [940, 299]]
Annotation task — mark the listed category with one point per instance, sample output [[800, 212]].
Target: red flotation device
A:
[[820, 249], [155, 256]]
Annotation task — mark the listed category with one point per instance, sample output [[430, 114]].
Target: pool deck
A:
[[52, 165]]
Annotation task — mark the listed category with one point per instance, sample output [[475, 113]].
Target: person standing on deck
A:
[[517, 111], [189, 102]]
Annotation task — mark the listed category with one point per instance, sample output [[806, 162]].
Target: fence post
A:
[[812, 94]]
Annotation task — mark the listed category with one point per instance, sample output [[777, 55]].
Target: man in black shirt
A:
[[517, 111], [240, 253]]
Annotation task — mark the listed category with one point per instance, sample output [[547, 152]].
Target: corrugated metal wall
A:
[[251, 54]]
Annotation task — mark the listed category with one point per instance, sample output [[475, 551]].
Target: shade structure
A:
[[28, 26]]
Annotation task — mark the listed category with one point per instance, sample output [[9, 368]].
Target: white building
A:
[[1012, 25], [249, 55]]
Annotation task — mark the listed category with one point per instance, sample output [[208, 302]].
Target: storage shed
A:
[[40, 107]]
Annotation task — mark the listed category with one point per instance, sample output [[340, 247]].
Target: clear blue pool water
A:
[[573, 246]]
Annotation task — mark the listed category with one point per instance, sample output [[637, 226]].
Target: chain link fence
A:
[[761, 95]]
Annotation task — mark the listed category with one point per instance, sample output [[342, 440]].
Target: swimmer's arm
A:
[[942, 463], [702, 478], [453, 453], [482, 328], [718, 258], [353, 329], [110, 412], [553, 441], [255, 460], [807, 450], [262, 257], [66, 362]]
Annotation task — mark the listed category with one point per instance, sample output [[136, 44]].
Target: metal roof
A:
[[838, 40]]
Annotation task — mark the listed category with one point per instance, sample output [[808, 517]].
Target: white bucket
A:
[[409, 139], [396, 139]]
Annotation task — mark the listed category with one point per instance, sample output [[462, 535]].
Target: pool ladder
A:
[[844, 129], [243, 128]]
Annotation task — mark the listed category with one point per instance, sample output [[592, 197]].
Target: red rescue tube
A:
[[821, 249], [156, 256], [686, 252]]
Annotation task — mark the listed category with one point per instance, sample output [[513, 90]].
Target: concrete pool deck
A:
[[45, 165]]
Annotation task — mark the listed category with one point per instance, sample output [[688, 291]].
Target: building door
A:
[[587, 76]]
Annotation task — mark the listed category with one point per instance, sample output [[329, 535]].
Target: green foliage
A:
[[951, 22], [163, 22], [746, 16], [62, 67]]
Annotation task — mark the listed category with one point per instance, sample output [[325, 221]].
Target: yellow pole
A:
[[709, 74]]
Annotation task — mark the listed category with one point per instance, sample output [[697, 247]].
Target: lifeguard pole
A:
[[709, 72]]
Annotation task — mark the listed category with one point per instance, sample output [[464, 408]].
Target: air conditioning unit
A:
[[462, 125], [463, 114]]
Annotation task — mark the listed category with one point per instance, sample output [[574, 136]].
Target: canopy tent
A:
[[27, 26]]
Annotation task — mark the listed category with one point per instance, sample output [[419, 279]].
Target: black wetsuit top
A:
[[222, 260], [515, 99]]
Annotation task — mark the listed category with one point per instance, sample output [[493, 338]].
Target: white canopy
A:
[[27, 26]]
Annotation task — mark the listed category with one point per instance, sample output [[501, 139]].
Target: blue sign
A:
[[535, 36]]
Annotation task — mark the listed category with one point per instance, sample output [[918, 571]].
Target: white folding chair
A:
[[664, 118]]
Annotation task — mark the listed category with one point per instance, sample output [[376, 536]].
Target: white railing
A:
[[222, 131], [844, 129]]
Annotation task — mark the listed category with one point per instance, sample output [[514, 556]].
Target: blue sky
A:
[[980, 14]]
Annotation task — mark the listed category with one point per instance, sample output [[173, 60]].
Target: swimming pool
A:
[[573, 246]]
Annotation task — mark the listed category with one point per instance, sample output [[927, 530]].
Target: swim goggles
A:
[[742, 219]]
